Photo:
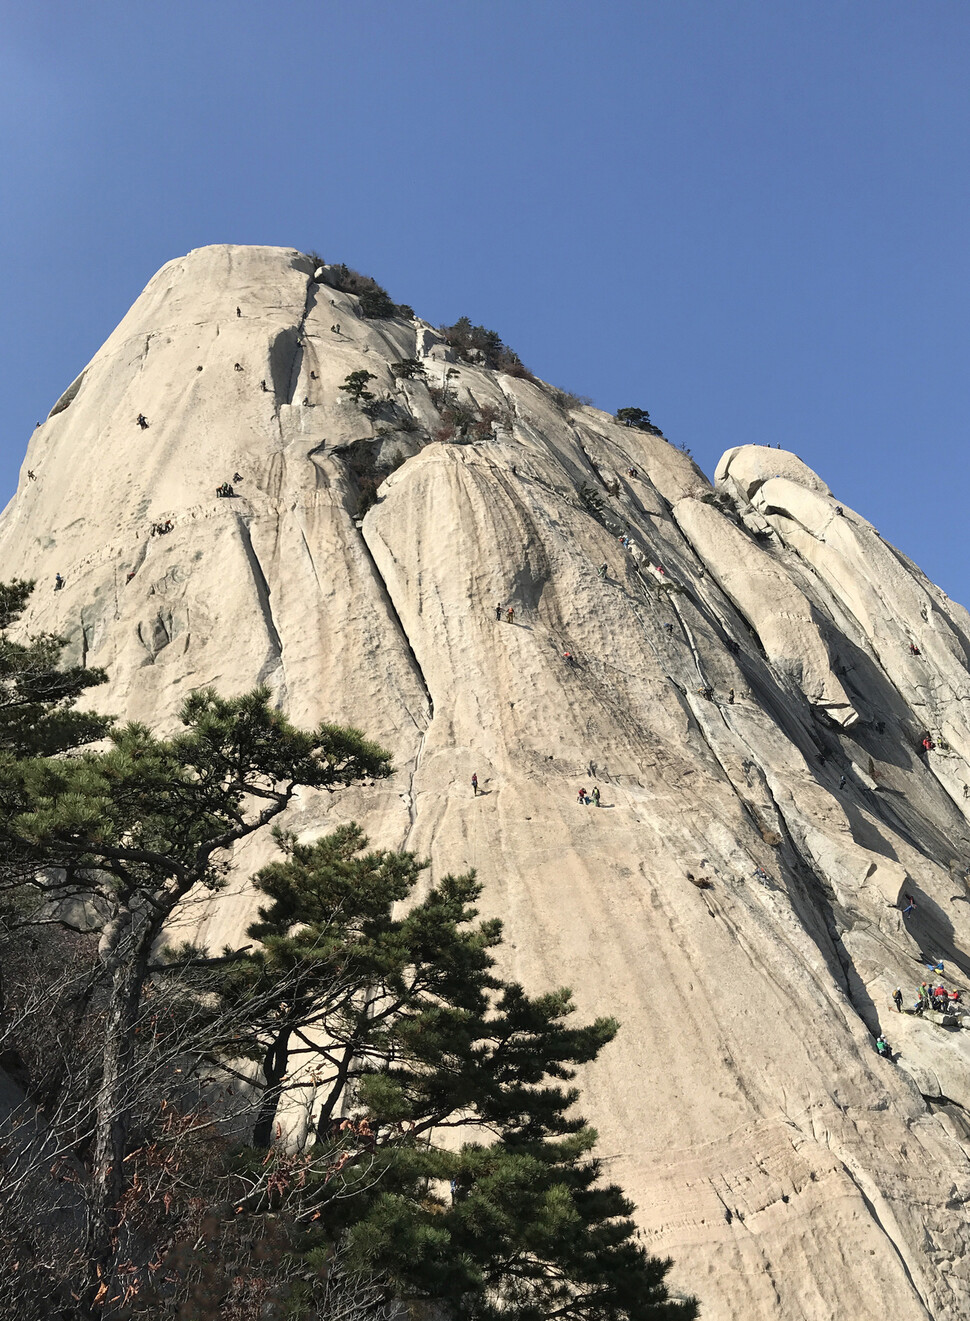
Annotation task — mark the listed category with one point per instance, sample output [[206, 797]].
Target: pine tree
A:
[[356, 386], [635, 417], [37, 694], [128, 834], [399, 1026]]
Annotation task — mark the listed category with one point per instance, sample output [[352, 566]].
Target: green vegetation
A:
[[375, 301], [475, 344], [408, 368], [356, 386], [163, 1175], [635, 417], [37, 696]]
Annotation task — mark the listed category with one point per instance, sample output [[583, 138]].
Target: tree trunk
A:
[[275, 1063], [113, 1112]]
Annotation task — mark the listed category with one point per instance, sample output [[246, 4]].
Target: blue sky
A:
[[748, 216]]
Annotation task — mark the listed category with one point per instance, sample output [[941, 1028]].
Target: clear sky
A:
[[748, 216]]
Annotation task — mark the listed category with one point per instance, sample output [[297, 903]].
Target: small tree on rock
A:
[[356, 386], [408, 368], [634, 417]]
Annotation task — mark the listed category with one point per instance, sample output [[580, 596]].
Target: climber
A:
[[475, 785], [237, 477], [313, 376], [58, 582], [129, 575], [661, 570], [914, 649], [198, 369], [884, 1048], [262, 386], [839, 510], [842, 782], [510, 614], [142, 421], [498, 610], [237, 367], [631, 472], [569, 658], [668, 629], [583, 796], [30, 475], [602, 570], [306, 401], [730, 697], [595, 795], [910, 905], [898, 998], [928, 744], [238, 312]]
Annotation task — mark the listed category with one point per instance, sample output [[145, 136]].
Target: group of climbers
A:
[[225, 490], [931, 997], [160, 529], [586, 798]]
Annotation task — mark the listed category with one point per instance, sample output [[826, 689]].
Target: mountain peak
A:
[[489, 577]]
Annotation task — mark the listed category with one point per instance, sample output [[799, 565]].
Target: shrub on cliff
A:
[[355, 385], [375, 301], [475, 344]]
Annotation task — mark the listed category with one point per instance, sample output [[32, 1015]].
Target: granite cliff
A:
[[748, 681]]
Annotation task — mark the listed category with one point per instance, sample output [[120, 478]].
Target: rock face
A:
[[743, 690]]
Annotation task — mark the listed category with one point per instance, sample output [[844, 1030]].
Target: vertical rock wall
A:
[[742, 689]]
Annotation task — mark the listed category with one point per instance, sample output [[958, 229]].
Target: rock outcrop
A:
[[750, 685]]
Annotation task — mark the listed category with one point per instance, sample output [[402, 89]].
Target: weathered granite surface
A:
[[776, 724]]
